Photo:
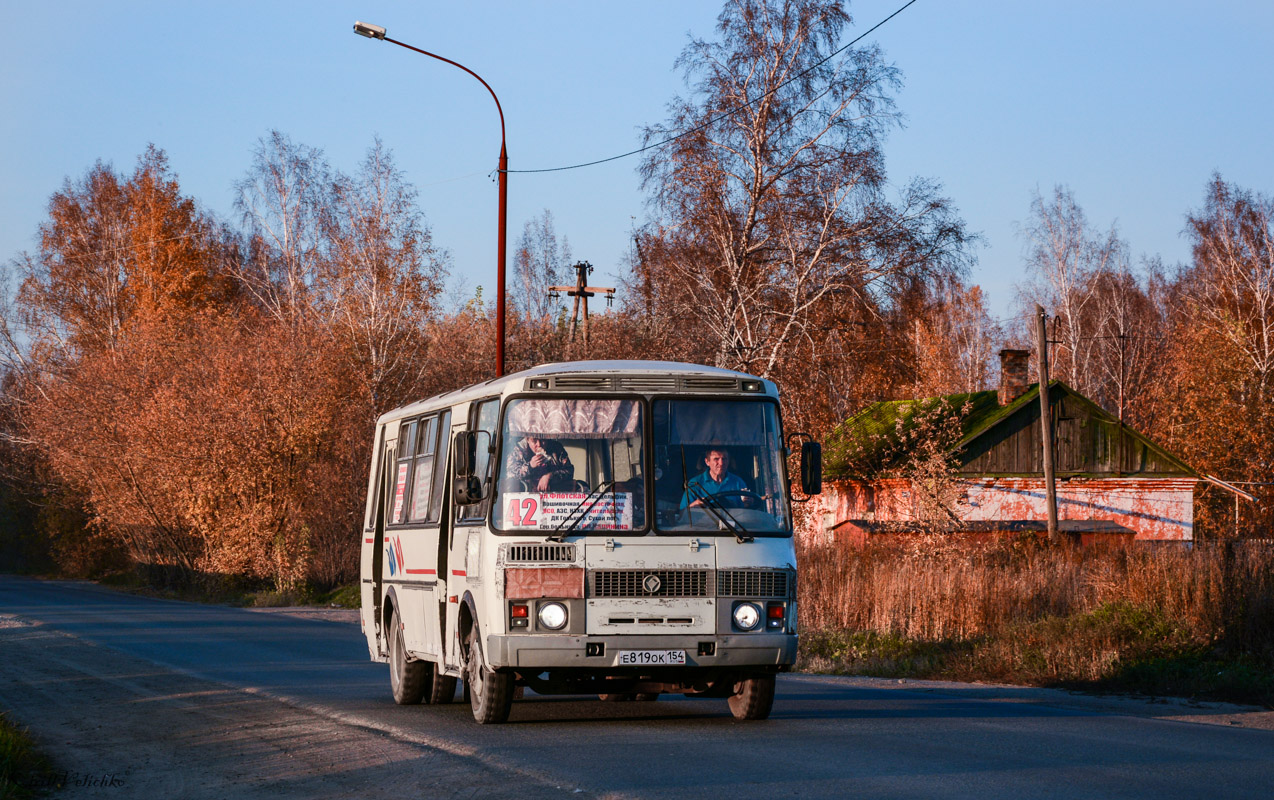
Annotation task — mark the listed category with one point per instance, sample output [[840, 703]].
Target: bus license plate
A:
[[650, 657]]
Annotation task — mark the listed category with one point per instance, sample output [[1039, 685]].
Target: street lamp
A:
[[377, 32]]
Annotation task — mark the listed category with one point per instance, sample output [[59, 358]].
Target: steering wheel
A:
[[746, 494]]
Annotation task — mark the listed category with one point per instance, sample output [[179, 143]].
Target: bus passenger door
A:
[[467, 521], [443, 608], [374, 555]]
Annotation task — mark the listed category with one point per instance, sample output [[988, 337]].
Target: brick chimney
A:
[[1014, 376]]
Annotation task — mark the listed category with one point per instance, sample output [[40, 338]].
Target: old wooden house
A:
[[1112, 482]]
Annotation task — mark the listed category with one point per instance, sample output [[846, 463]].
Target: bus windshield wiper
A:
[[713, 505], [572, 521]]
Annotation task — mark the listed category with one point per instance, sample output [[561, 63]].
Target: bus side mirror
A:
[[811, 468], [467, 486]]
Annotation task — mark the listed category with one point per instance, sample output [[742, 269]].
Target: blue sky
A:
[[1133, 104]]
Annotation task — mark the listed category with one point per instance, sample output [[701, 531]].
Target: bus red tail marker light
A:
[[519, 615], [775, 614]]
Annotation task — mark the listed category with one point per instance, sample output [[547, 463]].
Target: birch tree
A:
[[1066, 254], [280, 202], [541, 260], [955, 342], [379, 276], [1233, 277], [772, 196], [1128, 324]]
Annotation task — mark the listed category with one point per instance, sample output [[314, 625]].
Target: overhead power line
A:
[[135, 246], [726, 113]]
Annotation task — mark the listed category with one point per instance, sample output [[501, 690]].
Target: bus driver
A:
[[716, 479]]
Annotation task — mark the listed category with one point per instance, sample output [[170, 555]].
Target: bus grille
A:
[[635, 583], [539, 553], [752, 583]]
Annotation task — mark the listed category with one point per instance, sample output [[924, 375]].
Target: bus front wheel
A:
[[753, 698], [406, 677], [490, 692]]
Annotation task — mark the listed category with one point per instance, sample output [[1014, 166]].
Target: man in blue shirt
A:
[[716, 479]]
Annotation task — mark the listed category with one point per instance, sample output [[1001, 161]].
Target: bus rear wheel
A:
[[753, 698], [490, 692], [442, 689], [406, 677]]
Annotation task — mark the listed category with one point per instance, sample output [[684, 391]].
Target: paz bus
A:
[[612, 528]]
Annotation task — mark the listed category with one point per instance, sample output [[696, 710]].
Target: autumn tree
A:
[[1232, 282], [769, 196], [1064, 253], [115, 248], [199, 408], [118, 256], [1220, 352], [1107, 319], [1128, 322], [955, 341]]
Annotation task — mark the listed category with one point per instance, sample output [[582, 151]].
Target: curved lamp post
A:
[[377, 32]]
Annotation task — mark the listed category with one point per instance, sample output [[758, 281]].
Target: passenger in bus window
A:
[[542, 465], [715, 480]]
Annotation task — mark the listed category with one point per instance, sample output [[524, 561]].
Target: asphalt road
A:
[[178, 699]]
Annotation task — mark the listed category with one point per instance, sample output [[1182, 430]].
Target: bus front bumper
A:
[[545, 651]]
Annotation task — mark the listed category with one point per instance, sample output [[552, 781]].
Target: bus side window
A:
[[369, 522], [440, 466], [423, 470], [483, 418]]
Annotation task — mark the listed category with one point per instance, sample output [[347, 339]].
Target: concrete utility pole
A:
[[1046, 423], [581, 291]]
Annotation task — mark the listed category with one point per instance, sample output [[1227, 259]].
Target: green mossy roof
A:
[[869, 443]]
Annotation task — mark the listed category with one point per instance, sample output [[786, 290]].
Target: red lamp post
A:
[[377, 32]]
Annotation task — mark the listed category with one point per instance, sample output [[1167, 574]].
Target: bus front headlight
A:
[[553, 616], [747, 616]]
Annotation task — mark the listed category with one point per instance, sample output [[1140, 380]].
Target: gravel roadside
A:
[[122, 726]]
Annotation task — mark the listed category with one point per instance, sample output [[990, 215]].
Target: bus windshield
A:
[[719, 467], [571, 465]]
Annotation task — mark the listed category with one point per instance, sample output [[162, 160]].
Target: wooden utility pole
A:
[[1046, 423], [582, 291]]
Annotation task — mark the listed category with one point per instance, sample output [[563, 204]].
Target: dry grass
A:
[[24, 772], [1162, 620]]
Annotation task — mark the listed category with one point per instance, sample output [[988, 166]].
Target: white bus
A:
[[616, 528]]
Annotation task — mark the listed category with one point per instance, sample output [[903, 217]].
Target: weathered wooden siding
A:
[[1086, 444]]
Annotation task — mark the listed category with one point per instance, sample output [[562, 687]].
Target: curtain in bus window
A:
[[709, 422], [555, 418]]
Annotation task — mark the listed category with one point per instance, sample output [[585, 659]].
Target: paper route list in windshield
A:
[[551, 510]]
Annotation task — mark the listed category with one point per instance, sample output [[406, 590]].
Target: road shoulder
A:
[[1163, 708]]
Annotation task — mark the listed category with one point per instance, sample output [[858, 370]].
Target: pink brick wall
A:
[[1159, 509]]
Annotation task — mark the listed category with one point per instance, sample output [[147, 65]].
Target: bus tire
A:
[[753, 698], [406, 677], [490, 692], [442, 689]]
